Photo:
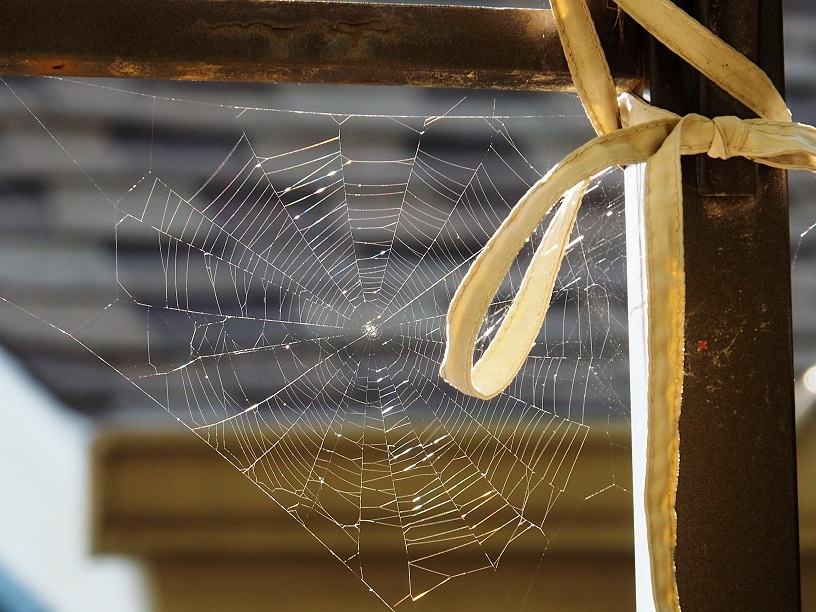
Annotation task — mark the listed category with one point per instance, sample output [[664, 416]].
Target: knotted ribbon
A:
[[658, 138]]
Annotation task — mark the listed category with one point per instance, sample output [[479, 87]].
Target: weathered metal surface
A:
[[326, 42], [737, 541]]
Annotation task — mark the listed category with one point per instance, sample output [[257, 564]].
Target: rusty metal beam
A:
[[315, 42], [737, 530]]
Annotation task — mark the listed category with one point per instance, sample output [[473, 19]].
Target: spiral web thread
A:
[[291, 305]]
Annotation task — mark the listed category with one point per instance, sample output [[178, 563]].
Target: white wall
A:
[[44, 505]]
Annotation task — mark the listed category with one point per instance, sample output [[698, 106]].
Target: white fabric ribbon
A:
[[659, 138]]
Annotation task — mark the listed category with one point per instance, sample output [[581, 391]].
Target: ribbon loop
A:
[[508, 350]]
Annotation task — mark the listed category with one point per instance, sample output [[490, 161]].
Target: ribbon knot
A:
[[729, 135]]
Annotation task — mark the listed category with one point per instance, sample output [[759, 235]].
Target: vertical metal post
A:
[[737, 541]]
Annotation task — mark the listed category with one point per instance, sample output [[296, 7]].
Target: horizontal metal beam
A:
[[315, 42]]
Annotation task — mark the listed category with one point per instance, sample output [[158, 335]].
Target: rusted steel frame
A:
[[314, 42], [737, 540]]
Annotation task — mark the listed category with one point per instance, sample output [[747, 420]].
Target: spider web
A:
[[290, 304]]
